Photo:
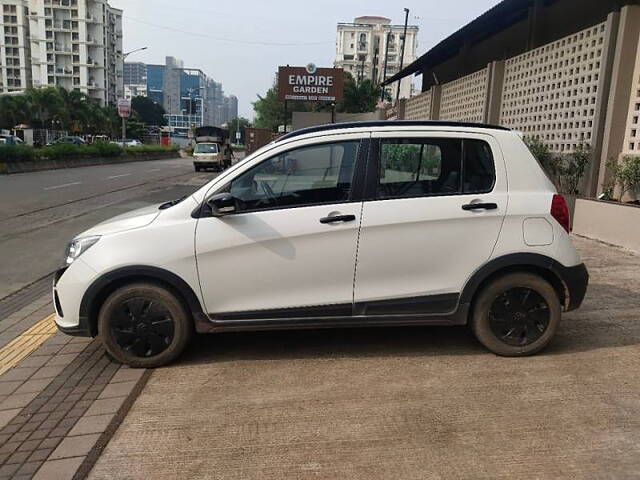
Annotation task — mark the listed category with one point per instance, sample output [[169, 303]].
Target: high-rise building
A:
[[74, 44], [231, 104], [15, 50], [189, 97], [366, 46]]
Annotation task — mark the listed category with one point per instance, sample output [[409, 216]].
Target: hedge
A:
[[22, 153]]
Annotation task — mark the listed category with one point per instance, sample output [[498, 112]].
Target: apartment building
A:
[[371, 47], [74, 44], [15, 49], [566, 72]]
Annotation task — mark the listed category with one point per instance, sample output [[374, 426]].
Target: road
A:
[[41, 211], [409, 403]]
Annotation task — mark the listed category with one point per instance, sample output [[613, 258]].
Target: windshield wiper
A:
[[171, 203]]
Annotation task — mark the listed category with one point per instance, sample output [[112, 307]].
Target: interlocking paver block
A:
[[48, 372], [18, 401], [59, 469], [7, 415], [125, 374], [29, 468], [41, 454], [35, 361], [33, 385], [106, 405], [92, 424], [117, 389], [18, 373], [75, 446]]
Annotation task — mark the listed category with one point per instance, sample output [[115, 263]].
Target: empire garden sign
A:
[[310, 84]]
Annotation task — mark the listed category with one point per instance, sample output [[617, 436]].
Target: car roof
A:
[[388, 123]]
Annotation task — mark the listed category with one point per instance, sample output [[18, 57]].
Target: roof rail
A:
[[386, 123]]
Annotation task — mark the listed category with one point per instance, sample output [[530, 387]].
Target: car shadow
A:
[[608, 319], [331, 343]]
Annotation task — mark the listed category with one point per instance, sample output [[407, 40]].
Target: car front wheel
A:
[[144, 325], [516, 315]]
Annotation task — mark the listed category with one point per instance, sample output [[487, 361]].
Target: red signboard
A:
[[124, 107]]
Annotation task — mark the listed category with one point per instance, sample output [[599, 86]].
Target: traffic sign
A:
[[124, 107]]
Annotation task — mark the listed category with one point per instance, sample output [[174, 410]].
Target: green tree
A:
[[233, 125], [359, 97], [148, 111], [270, 110]]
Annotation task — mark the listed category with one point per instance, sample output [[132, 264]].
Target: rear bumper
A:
[[576, 279]]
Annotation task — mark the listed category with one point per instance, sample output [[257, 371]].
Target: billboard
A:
[[310, 84], [124, 107]]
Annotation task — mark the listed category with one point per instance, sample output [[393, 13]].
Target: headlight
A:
[[77, 247]]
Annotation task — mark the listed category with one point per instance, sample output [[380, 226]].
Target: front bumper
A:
[[576, 280], [69, 285]]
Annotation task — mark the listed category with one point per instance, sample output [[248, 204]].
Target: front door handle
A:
[[480, 206], [338, 218]]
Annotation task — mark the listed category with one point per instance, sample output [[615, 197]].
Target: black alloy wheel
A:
[[519, 316], [142, 327]]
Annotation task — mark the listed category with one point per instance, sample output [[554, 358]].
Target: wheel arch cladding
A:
[[105, 285], [537, 264]]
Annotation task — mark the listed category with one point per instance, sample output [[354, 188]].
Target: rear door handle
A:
[[480, 206], [338, 218]]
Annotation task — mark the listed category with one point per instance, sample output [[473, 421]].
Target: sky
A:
[[242, 43]]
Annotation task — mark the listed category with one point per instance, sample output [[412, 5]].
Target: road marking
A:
[[155, 169], [26, 343], [118, 176], [63, 185]]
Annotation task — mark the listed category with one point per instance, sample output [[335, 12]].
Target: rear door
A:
[[434, 208]]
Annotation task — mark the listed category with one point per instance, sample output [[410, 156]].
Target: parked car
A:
[[68, 140], [128, 142], [10, 140], [363, 224]]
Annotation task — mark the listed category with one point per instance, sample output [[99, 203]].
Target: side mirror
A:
[[222, 204]]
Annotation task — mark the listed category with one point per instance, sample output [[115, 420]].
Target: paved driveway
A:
[[416, 403]]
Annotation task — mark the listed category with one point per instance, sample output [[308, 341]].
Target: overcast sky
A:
[[241, 43]]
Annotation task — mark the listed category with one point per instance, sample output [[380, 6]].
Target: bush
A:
[[572, 168], [146, 149], [23, 153], [541, 152], [17, 153], [629, 175]]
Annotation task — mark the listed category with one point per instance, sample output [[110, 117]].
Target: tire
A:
[[509, 321], [144, 325]]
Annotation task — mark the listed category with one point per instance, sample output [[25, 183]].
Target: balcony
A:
[[62, 49], [64, 25]]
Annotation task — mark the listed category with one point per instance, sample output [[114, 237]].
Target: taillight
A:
[[560, 211]]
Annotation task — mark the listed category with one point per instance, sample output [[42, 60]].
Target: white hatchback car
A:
[[364, 224]]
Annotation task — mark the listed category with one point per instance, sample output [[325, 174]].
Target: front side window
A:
[[315, 175], [435, 166]]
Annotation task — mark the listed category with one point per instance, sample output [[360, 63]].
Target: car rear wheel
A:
[[516, 315], [144, 325]]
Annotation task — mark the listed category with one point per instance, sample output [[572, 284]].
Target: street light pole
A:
[[384, 73], [124, 57], [404, 40]]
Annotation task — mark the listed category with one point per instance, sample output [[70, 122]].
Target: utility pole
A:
[[384, 74], [404, 41]]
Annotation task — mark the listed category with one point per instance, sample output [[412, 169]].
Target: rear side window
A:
[[425, 167]]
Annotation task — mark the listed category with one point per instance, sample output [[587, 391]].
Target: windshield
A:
[[206, 148]]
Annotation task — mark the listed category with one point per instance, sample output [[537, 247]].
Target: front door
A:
[[289, 250], [435, 209]]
